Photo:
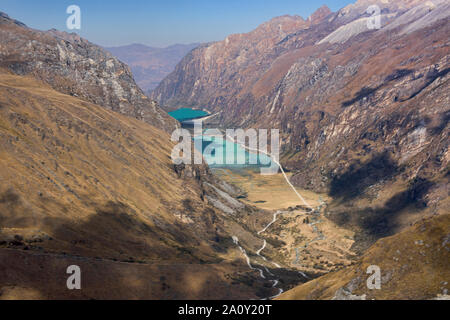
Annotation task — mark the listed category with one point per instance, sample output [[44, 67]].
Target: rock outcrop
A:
[[74, 66]]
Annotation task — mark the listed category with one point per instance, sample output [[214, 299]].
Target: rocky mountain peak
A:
[[72, 65], [319, 14], [280, 25], [70, 37], [4, 18]]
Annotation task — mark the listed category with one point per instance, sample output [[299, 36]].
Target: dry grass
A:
[[267, 192], [315, 247], [414, 265], [83, 185]]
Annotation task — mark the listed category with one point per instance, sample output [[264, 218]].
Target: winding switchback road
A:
[[275, 216]]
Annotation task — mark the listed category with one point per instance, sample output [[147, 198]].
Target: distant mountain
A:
[[149, 64]]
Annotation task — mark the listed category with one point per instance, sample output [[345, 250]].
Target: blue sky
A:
[[159, 23]]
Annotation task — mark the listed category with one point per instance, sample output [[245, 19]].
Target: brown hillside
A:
[[413, 263], [87, 186]]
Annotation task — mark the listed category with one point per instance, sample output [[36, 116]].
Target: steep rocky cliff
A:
[[74, 66]]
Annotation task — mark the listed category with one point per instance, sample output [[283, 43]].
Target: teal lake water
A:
[[222, 153], [184, 114], [219, 152]]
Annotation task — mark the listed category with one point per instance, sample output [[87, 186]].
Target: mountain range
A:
[[150, 65], [87, 177], [363, 113]]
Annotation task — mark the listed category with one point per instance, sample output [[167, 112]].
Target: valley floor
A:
[[297, 239]]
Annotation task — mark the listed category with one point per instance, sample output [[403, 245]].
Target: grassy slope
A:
[[65, 160], [413, 263], [87, 186]]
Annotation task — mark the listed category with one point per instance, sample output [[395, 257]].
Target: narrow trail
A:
[[261, 272], [278, 164], [258, 253], [275, 216], [271, 223], [275, 282]]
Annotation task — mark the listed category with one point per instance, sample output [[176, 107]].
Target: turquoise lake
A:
[[184, 114], [222, 153], [219, 152]]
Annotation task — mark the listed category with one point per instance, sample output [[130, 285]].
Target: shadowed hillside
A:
[[413, 266], [84, 185]]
